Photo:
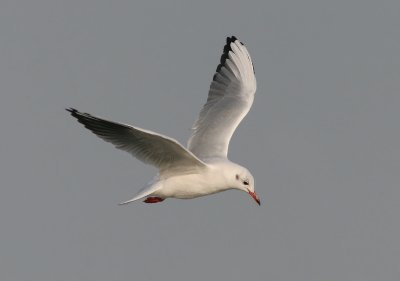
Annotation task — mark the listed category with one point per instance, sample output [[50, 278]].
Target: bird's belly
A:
[[187, 186]]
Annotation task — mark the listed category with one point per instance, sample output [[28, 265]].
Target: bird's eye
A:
[[246, 182]]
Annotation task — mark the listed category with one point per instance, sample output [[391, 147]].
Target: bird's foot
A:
[[153, 200]]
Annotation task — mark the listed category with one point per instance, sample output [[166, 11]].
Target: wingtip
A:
[[233, 38], [229, 40], [227, 48], [71, 110]]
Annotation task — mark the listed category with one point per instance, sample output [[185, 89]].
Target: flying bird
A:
[[203, 167]]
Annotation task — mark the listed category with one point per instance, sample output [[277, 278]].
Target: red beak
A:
[[255, 197]]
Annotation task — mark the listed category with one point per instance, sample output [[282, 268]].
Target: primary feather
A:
[[160, 151], [229, 99]]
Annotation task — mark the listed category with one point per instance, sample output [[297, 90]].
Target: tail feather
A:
[[150, 188]]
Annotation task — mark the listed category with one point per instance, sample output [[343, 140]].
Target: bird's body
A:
[[209, 180], [203, 168]]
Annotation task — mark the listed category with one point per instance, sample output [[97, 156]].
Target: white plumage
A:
[[203, 168], [229, 100]]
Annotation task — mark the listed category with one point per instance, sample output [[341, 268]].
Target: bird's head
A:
[[243, 180]]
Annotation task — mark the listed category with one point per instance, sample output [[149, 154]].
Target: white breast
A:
[[193, 185]]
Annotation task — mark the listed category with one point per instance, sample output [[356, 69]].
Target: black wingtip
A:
[[225, 54], [230, 40], [72, 110], [233, 39], [226, 50]]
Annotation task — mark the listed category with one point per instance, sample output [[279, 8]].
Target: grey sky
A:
[[322, 140]]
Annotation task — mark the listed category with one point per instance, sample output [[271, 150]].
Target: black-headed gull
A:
[[203, 167]]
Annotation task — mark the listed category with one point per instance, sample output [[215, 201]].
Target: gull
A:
[[203, 168]]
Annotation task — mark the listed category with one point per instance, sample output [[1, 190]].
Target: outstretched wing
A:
[[151, 148], [229, 100]]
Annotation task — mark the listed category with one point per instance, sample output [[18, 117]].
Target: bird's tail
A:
[[148, 189]]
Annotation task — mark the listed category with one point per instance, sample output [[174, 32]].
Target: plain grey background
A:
[[322, 140]]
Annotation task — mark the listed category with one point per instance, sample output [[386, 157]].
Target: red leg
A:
[[153, 200]]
